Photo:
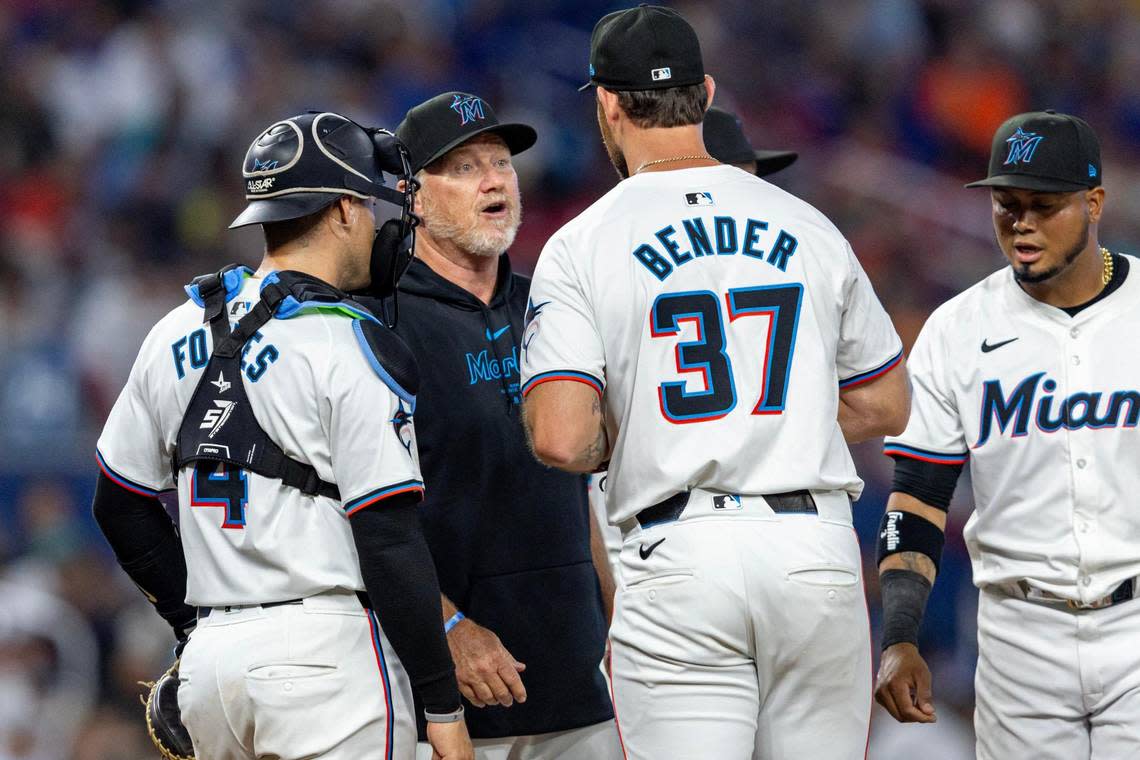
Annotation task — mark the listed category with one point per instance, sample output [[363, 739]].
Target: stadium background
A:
[[122, 126]]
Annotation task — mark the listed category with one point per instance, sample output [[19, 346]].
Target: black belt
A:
[[1126, 591], [365, 602], [789, 502]]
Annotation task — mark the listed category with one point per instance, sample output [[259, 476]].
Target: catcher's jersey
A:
[[721, 316], [250, 539], [1045, 407]]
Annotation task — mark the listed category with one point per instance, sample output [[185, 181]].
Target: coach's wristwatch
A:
[[451, 717]]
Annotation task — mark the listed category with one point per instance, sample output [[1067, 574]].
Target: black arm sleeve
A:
[[928, 482], [400, 578], [148, 548], [904, 602]]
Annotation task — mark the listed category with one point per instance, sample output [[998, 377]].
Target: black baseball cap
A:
[[301, 164], [1046, 151], [436, 126], [725, 141], [644, 48]]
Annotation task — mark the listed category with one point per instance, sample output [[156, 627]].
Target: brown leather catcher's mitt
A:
[[164, 720]]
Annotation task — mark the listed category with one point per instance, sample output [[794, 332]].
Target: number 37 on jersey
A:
[[710, 332]]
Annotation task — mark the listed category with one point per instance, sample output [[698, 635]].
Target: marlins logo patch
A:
[[530, 323], [469, 108], [402, 424], [1022, 146]]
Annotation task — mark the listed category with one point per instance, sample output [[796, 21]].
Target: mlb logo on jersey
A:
[[699, 199], [727, 501]]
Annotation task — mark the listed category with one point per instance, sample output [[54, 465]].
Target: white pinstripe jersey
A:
[[720, 315], [1044, 407]]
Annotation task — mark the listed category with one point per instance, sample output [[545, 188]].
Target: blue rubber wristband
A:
[[453, 621]]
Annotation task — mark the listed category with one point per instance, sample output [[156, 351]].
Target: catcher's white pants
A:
[[743, 635], [316, 679], [1054, 683]]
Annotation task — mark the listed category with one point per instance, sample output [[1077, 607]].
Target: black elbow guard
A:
[[930, 482], [909, 532]]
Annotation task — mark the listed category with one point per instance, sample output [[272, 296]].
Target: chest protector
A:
[[219, 425]]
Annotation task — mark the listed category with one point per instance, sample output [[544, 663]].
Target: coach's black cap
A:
[[1046, 151], [436, 126], [725, 141], [301, 164], [644, 48]]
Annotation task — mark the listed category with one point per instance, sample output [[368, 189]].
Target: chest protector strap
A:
[[219, 425]]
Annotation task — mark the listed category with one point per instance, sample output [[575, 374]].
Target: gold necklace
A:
[[705, 157], [1106, 274]]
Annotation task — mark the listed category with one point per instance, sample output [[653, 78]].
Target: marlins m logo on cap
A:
[[1022, 146], [469, 108]]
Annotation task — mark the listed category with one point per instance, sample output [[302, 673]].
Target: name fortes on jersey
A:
[[701, 237], [193, 347], [1032, 400]]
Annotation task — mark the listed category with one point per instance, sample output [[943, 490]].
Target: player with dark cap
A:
[[1030, 376], [715, 342], [511, 539], [298, 582], [725, 141]]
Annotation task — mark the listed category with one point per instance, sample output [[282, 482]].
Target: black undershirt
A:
[[934, 484], [1119, 272]]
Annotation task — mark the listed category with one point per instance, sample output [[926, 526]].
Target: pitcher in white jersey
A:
[[1031, 377], [726, 142], [714, 340], [282, 412]]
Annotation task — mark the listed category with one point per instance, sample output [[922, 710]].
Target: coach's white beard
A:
[[476, 239]]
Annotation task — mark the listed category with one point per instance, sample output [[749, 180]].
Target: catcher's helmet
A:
[[302, 164]]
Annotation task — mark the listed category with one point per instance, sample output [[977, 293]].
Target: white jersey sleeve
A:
[[561, 340], [132, 448], [371, 433], [934, 432], [868, 343]]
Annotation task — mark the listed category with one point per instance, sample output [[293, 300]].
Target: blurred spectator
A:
[[48, 673]]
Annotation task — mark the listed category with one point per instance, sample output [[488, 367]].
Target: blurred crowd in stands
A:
[[123, 124]]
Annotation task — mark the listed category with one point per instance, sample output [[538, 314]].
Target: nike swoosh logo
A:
[[987, 347], [497, 333], [645, 552]]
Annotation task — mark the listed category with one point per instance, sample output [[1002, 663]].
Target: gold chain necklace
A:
[[705, 157], [1106, 274]]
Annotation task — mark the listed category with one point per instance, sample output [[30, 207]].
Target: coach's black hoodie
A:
[[509, 536]]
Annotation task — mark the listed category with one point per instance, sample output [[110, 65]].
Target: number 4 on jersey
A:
[[708, 353], [219, 485]]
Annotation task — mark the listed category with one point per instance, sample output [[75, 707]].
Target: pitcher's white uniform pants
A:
[[743, 634], [1054, 683], [316, 679]]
